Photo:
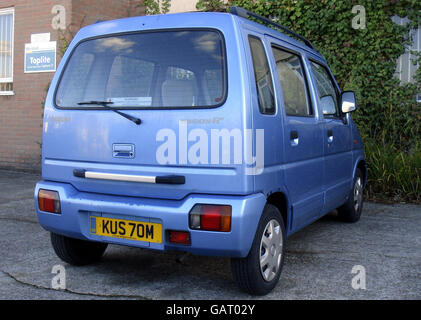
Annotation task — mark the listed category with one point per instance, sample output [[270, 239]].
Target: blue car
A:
[[207, 133]]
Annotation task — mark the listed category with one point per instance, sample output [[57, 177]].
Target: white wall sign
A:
[[40, 57], [40, 37]]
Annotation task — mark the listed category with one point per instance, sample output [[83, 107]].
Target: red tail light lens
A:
[[211, 218], [49, 201], [211, 221], [179, 237]]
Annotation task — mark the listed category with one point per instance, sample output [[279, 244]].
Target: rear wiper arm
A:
[[105, 104]]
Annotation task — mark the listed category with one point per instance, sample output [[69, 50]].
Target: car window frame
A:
[[339, 114], [253, 72], [225, 75], [306, 80]]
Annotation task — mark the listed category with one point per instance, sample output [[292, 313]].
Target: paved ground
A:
[[387, 242]]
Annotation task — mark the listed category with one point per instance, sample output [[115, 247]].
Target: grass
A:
[[394, 175]]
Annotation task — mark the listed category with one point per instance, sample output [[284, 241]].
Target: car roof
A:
[[277, 34], [184, 20]]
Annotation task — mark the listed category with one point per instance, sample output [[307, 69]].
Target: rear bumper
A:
[[77, 207]]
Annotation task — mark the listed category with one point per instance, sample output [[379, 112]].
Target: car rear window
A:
[[165, 69]]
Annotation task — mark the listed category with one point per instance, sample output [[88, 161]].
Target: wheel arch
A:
[[280, 201], [362, 165]]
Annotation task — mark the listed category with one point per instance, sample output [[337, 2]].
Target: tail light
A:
[[211, 217], [49, 201]]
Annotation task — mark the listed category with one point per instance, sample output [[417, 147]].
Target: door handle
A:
[[295, 140], [329, 136]]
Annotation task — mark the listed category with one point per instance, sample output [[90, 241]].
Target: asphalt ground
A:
[[385, 247]]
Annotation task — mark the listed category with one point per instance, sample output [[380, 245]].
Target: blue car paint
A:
[[313, 177], [77, 207]]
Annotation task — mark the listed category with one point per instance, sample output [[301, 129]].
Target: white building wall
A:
[[405, 69], [183, 6]]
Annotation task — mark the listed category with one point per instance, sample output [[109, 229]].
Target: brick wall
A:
[[21, 114], [85, 12]]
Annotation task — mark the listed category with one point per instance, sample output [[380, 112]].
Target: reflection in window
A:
[[147, 70], [294, 88], [263, 77], [123, 81], [324, 84], [76, 78], [180, 88]]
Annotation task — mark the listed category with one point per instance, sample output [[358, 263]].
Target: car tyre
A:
[[77, 252], [259, 272], [351, 210]]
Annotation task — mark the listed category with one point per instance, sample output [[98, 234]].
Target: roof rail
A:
[[241, 12]]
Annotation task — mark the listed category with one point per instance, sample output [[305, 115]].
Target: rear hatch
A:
[[175, 83]]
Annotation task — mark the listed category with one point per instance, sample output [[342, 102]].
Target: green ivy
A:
[[363, 60], [156, 6]]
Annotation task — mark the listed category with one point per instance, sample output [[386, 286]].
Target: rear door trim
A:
[[80, 173]]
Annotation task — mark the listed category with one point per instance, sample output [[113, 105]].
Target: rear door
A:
[[302, 137], [337, 137], [265, 114], [176, 82]]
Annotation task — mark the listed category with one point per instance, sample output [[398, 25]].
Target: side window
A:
[[180, 88], [293, 82], [263, 77], [327, 90], [212, 86], [174, 73], [123, 80]]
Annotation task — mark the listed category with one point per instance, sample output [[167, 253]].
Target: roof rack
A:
[[241, 12]]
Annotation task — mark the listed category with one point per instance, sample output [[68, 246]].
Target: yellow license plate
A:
[[126, 229]]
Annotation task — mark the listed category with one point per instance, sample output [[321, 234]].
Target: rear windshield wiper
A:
[[105, 104]]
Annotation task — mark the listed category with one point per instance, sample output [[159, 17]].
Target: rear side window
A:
[[326, 88], [293, 83], [180, 88], [262, 76], [123, 80], [169, 69]]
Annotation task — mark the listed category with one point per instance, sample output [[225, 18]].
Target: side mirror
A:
[[328, 105], [348, 102]]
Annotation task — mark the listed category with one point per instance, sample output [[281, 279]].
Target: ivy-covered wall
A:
[[363, 55]]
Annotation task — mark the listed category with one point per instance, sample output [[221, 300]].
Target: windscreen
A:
[[168, 69]]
